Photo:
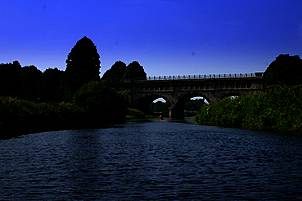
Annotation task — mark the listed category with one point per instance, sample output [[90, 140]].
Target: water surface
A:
[[152, 161]]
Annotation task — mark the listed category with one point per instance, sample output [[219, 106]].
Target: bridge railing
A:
[[210, 76]]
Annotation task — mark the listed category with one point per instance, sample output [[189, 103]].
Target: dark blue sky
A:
[[168, 37]]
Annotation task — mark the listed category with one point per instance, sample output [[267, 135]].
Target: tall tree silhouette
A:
[[285, 70], [83, 64], [135, 71], [115, 73]]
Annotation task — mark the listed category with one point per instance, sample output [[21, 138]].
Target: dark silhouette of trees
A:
[[119, 72], [83, 64], [17, 64], [102, 104], [21, 82], [52, 84], [74, 98], [285, 70], [115, 74], [19, 116], [134, 71], [30, 82], [9, 79]]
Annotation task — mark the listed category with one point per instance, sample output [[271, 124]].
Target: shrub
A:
[[277, 108]]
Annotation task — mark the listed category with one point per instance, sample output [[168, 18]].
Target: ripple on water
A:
[[151, 161]]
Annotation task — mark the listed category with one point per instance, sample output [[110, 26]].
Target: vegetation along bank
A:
[[278, 107]]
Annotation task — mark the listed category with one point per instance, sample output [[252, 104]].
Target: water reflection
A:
[[82, 159]]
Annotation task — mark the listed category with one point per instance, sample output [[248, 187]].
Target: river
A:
[[152, 161]]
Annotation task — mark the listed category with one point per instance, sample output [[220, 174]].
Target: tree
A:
[[102, 104], [30, 82], [52, 81], [135, 71], [83, 64], [115, 73], [285, 70], [9, 78]]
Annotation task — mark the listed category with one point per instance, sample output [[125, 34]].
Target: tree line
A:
[[55, 99], [53, 85]]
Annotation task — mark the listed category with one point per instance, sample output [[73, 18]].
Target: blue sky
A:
[[168, 37]]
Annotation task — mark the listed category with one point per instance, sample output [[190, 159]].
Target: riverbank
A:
[[19, 117], [275, 109]]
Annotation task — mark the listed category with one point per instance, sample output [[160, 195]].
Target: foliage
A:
[[30, 82], [52, 85], [31, 100], [102, 104], [115, 74], [278, 108], [18, 115], [192, 106], [120, 72], [9, 79], [83, 64], [94, 105], [134, 71], [135, 114], [285, 70]]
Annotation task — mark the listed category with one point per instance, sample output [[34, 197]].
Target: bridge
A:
[[176, 90]]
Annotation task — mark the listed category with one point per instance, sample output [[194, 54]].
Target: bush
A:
[[135, 114], [102, 105], [18, 115], [277, 108]]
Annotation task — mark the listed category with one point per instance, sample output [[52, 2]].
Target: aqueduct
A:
[[175, 89]]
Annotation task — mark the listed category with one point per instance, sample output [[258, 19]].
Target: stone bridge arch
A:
[[176, 89], [175, 102], [142, 102], [177, 111]]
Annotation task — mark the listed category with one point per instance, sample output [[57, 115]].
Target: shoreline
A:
[[18, 132]]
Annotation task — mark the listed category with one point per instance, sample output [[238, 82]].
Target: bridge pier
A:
[[176, 112]]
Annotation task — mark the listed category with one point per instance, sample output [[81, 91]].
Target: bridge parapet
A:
[[210, 76]]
